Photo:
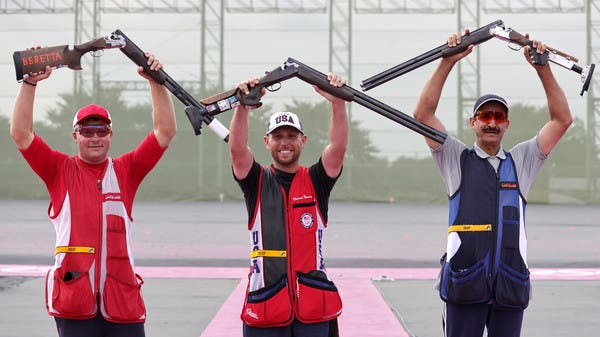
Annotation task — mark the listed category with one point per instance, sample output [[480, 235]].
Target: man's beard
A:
[[293, 159]]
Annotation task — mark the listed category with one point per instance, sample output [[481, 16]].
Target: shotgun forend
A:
[[196, 112], [517, 40]]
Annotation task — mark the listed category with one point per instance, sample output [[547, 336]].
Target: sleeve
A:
[[133, 166], [43, 160], [528, 158], [249, 186], [323, 186], [447, 159]]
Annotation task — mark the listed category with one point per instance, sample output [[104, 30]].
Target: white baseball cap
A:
[[284, 119]]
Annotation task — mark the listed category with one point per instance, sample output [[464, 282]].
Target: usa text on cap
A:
[[284, 119]]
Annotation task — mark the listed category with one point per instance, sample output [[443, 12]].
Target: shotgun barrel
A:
[[196, 112], [475, 37]]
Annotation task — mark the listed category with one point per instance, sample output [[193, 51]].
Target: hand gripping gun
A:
[[495, 29], [294, 68], [196, 112], [516, 41], [34, 61]]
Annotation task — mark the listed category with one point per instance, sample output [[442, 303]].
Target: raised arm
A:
[[558, 107], [430, 94], [239, 151], [333, 154], [163, 112], [21, 124]]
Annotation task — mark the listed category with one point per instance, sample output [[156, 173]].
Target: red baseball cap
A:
[[92, 110]]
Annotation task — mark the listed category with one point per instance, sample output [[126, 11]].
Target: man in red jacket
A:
[[93, 290]]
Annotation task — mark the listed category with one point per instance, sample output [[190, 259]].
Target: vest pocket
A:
[[122, 289], [269, 306], [465, 286], [512, 288], [318, 298], [72, 294], [123, 300]]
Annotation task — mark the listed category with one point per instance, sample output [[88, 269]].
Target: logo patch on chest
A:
[[306, 220], [508, 185]]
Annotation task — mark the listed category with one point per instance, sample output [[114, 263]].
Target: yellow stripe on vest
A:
[[75, 249], [470, 228], [268, 253]]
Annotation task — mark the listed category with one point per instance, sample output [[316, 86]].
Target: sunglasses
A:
[[487, 116], [88, 131]]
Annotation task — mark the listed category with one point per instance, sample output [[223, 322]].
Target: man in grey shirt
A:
[[484, 280]]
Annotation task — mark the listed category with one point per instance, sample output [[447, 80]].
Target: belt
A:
[[268, 253], [75, 249], [470, 228]]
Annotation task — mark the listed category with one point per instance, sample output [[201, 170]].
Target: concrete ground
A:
[[393, 248]]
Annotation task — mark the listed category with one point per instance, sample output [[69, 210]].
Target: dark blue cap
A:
[[489, 98]]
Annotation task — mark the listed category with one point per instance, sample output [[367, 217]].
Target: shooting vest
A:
[[487, 244], [287, 272], [93, 266]]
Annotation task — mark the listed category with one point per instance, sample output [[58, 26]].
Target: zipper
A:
[[98, 266], [496, 237], [291, 275]]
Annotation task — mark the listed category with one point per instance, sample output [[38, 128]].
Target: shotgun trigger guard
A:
[[97, 53], [514, 46], [274, 87]]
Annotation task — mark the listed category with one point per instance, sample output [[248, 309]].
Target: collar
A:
[[483, 155]]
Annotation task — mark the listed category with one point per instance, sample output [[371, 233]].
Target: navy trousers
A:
[[470, 320]]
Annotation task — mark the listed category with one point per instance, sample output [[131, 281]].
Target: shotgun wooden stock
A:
[[34, 61]]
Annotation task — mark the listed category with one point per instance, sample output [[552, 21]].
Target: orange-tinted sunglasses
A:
[[88, 131]]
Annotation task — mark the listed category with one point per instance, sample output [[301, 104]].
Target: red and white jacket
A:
[[287, 273], [93, 267]]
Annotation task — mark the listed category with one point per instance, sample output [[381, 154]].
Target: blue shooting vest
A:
[[487, 245]]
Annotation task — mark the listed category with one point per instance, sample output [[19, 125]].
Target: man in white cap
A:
[[93, 290], [485, 277], [289, 292]]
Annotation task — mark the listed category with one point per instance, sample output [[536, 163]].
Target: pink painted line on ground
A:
[[192, 272], [227, 321], [384, 273], [566, 274], [23, 270], [365, 312], [559, 274]]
